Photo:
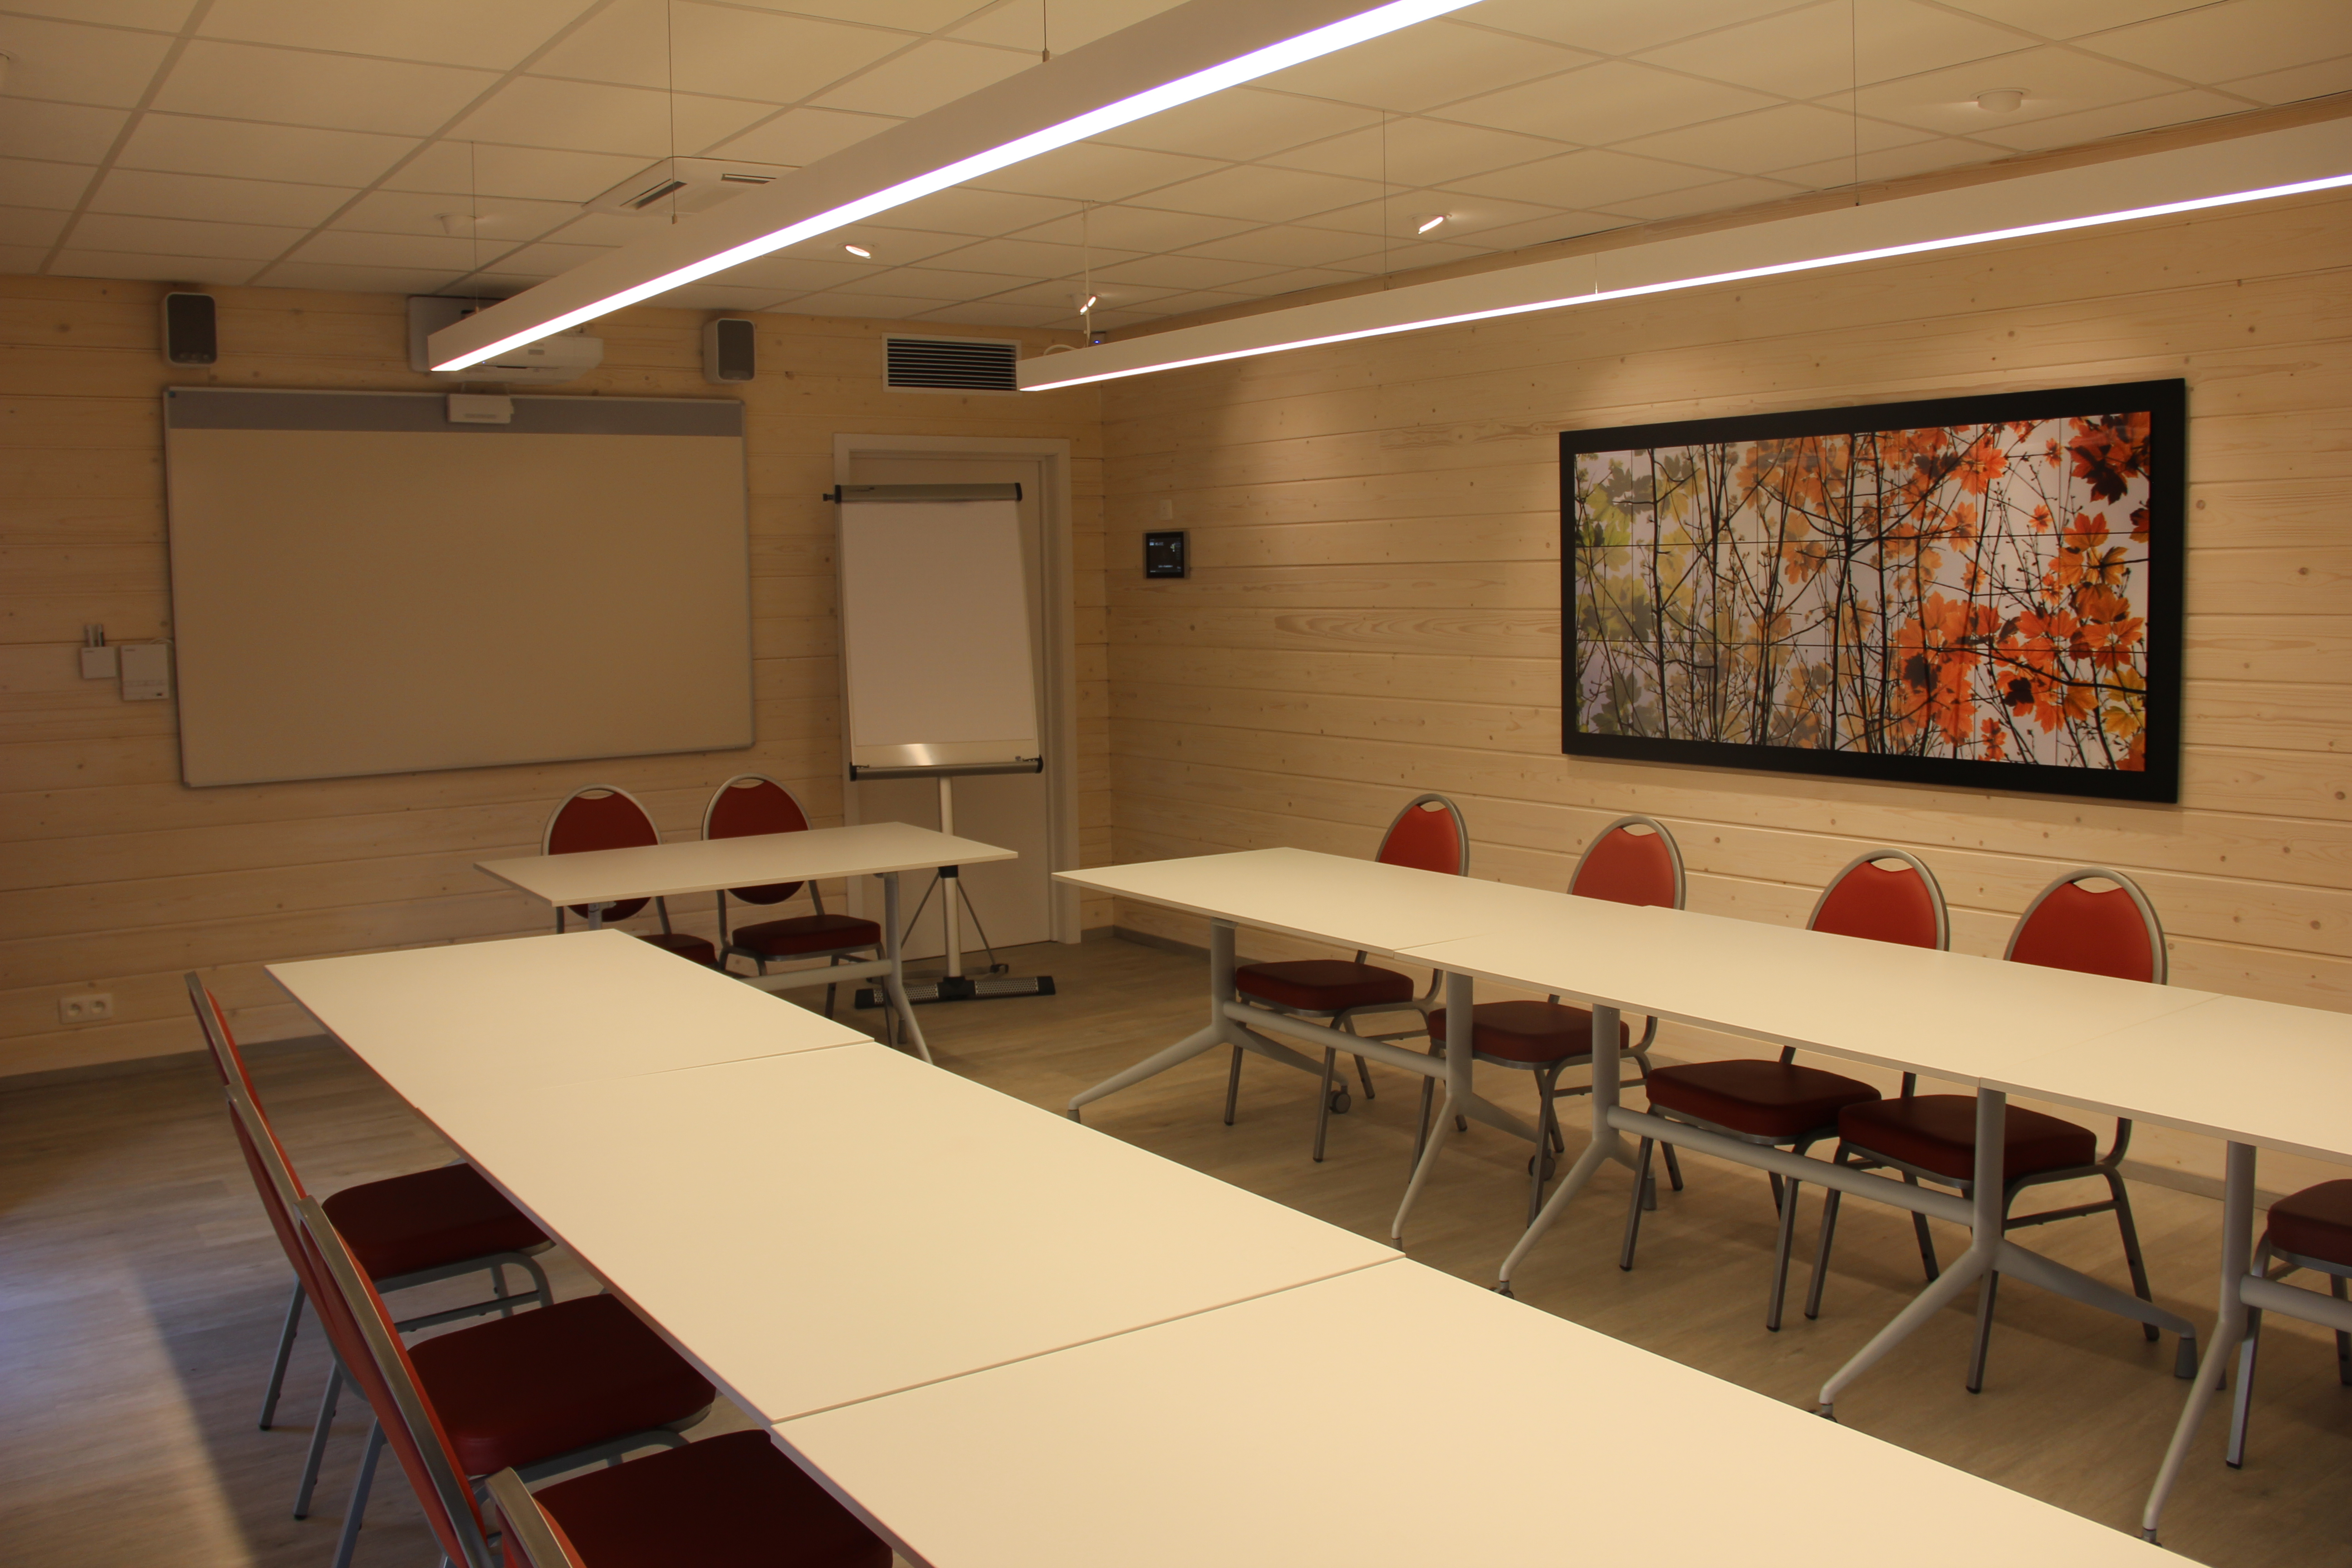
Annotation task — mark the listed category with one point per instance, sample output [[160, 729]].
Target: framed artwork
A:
[[1976, 591]]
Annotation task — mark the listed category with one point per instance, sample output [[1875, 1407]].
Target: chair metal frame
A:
[[546, 836], [1333, 1097], [230, 1064], [1784, 1193], [2241, 1404], [525, 1527], [2105, 1167], [727, 949]]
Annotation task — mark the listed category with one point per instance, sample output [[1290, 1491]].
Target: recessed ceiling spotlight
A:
[[2001, 99], [456, 223], [859, 251], [1431, 221], [1089, 305]]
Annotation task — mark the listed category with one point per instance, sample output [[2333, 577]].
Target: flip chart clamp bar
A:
[[840, 493]]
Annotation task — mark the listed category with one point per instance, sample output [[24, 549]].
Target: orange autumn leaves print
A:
[[1975, 591]]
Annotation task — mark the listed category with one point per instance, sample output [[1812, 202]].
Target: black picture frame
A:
[[2157, 779]]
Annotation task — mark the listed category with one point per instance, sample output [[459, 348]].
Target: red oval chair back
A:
[[600, 816], [372, 1355], [1887, 895], [1633, 861], [1429, 836], [751, 804], [2069, 926]]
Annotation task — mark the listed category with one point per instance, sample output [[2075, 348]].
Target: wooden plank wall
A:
[[118, 878], [1374, 603]]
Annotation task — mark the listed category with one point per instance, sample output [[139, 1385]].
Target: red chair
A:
[[1887, 895], [2310, 1229], [1932, 1137], [575, 1383], [1428, 835], [409, 1230], [1633, 860], [748, 805], [724, 1500], [606, 816]]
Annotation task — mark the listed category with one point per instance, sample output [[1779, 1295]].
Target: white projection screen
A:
[[360, 586]]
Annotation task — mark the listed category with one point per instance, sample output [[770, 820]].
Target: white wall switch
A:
[[88, 1008], [146, 671], [99, 663]]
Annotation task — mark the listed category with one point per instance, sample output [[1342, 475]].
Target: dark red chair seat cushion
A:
[[1761, 1099], [688, 947], [2316, 1223], [1938, 1133], [806, 934], [518, 1390], [724, 1501], [1322, 985], [405, 1224], [1528, 1031]]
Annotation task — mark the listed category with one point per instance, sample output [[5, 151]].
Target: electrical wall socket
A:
[[87, 1008]]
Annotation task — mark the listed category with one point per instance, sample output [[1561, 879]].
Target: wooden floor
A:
[[140, 1292]]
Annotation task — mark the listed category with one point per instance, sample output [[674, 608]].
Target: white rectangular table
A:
[[440, 1022], [596, 879], [2252, 1074]]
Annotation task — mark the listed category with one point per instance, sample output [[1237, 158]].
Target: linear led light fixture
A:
[[2253, 168], [1186, 53]]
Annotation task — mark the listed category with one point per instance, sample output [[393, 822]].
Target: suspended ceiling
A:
[[432, 146]]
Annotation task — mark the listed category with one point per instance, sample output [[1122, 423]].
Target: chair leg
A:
[[1926, 1238], [2241, 1403], [1364, 1076], [319, 1431], [1821, 1252], [285, 1353], [1781, 1250], [361, 1485], [1323, 1100], [1539, 1163], [2131, 1233], [1233, 1085], [1986, 1292], [1634, 1204], [1674, 1168]]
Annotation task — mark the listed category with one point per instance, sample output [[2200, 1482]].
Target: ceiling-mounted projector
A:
[[547, 363]]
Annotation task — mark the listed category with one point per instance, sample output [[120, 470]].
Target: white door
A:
[[1011, 898]]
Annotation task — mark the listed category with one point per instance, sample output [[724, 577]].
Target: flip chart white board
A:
[[360, 586]]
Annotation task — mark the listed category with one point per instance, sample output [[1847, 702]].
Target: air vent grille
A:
[[951, 364]]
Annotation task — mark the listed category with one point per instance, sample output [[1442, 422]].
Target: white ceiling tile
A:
[[1606, 103], [908, 15], [545, 260], [1028, 257], [2073, 18], [142, 193], [1267, 194], [992, 314], [535, 111], [1895, 163], [1245, 122], [1072, 27], [2314, 81], [936, 283], [611, 228], [1585, 180], [444, 32], [714, 297], [800, 136], [1723, 196], [1418, 151], [181, 236], [880, 307], [1178, 272], [1290, 281], [68, 133], [1420, 66], [2237, 38], [29, 182], [1613, 26], [1400, 217], [31, 225], [1772, 139], [73, 64], [24, 260], [334, 280], [1063, 295], [2056, 80], [1284, 246], [890, 246], [968, 212], [2114, 120], [303, 86], [347, 247], [720, 49], [152, 267], [801, 273], [1198, 299], [164, 15], [1144, 229], [502, 219], [1545, 230], [1822, 48], [932, 73], [1095, 174], [184, 144], [465, 169]]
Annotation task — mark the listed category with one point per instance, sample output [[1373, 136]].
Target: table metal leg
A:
[[2229, 1327], [894, 980], [1458, 1054], [1607, 1142], [595, 915]]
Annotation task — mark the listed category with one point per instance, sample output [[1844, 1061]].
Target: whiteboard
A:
[[358, 586], [936, 663]]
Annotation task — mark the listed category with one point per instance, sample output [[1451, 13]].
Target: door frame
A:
[[1058, 616]]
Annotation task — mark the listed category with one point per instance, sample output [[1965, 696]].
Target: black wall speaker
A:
[[189, 335], [728, 350]]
